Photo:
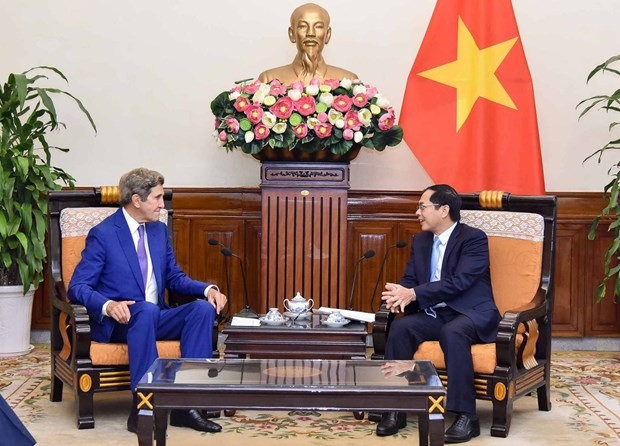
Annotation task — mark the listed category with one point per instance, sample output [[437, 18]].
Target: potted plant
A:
[[610, 104], [27, 116], [331, 119]]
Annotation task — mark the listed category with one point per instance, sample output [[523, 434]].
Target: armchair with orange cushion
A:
[[521, 232], [86, 366]]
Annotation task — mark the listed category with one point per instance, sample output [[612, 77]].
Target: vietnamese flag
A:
[[468, 113]]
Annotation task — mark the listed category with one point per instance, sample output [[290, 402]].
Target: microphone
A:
[[247, 310], [214, 242], [399, 244], [368, 254]]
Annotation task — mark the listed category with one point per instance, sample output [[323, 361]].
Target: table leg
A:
[[161, 424], [422, 428], [145, 428], [436, 434]]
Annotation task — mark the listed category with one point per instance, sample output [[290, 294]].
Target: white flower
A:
[[295, 95], [269, 119], [382, 101], [234, 95], [333, 116], [279, 128], [249, 136], [261, 93], [340, 123], [327, 99], [312, 122], [346, 83], [357, 136], [312, 90], [359, 88], [375, 110], [365, 116]]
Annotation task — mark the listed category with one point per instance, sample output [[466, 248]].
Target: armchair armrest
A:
[[73, 326]]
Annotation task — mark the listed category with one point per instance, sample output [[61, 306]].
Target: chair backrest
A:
[[73, 214]]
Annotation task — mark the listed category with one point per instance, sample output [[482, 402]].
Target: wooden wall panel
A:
[[376, 219]]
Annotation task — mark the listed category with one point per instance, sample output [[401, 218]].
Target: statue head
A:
[[310, 30]]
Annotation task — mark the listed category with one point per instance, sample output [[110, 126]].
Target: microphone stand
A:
[[368, 254], [247, 310], [399, 244]]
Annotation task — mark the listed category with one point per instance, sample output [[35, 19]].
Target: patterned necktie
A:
[[434, 266], [142, 260]]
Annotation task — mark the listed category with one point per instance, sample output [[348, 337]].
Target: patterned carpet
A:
[[585, 393]]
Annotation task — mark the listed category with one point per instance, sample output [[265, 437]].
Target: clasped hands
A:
[[119, 310], [397, 297]]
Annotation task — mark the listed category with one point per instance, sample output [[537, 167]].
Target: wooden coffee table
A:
[[289, 384], [307, 339]]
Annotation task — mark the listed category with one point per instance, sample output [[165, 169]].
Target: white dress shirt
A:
[[443, 242]]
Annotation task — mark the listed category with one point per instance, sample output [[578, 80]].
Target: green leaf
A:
[[6, 259], [21, 85], [219, 104], [4, 227], [47, 102], [593, 228], [23, 240]]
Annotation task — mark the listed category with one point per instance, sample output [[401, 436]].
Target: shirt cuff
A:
[[104, 309], [206, 293]]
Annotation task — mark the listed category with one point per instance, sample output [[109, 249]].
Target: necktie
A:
[[142, 260], [434, 266]]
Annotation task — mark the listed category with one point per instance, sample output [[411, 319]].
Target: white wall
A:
[[148, 69]]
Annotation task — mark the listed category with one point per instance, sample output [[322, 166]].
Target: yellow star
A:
[[473, 73]]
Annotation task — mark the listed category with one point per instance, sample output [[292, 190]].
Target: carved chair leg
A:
[[56, 390], [544, 398], [502, 414], [84, 408]]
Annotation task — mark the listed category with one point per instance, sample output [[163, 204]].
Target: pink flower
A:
[[351, 120], [314, 81], [254, 113], [232, 124], [276, 88], [347, 134], [301, 131], [360, 100], [241, 103], [261, 131], [323, 130], [386, 121], [283, 108], [222, 136], [306, 105], [298, 85], [236, 89], [371, 91], [252, 88], [322, 117], [342, 103], [333, 83], [217, 123]]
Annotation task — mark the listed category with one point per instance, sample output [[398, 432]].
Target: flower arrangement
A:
[[333, 115]]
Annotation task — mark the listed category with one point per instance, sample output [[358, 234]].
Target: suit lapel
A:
[[156, 251], [128, 247], [426, 248], [452, 241]]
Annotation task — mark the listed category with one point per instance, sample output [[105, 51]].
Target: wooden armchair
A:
[[521, 232], [87, 366]]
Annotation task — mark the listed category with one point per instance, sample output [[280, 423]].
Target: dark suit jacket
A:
[[109, 269], [465, 283]]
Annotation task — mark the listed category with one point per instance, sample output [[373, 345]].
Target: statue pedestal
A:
[[304, 232]]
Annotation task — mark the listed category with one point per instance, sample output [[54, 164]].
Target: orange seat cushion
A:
[[117, 354]]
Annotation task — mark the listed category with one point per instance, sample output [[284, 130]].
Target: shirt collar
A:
[[131, 222], [445, 235]]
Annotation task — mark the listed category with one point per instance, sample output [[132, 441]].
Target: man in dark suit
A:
[[126, 267], [446, 295]]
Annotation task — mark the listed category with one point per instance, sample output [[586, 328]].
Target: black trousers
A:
[[456, 334]]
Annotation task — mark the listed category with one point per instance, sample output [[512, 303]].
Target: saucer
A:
[[335, 324], [272, 323], [300, 316]]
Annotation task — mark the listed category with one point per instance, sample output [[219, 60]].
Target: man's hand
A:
[[396, 368], [397, 297], [217, 299], [119, 310]]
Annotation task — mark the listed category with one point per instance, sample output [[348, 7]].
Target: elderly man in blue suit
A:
[[446, 295], [126, 267]]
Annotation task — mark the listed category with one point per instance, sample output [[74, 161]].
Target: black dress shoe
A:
[[463, 429], [192, 418], [390, 423]]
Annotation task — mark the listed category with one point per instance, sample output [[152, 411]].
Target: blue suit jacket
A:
[[109, 269], [465, 283]]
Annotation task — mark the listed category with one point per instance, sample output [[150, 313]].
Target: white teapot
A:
[[298, 304]]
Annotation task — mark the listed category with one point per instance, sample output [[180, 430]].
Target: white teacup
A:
[[273, 315], [335, 318]]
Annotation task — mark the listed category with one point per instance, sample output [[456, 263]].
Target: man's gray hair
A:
[[138, 181]]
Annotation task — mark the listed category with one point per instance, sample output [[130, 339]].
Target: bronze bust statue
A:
[[310, 32]]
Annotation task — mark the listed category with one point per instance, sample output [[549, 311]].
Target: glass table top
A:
[[313, 322], [291, 373]]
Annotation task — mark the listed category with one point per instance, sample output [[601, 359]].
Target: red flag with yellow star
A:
[[468, 113]]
